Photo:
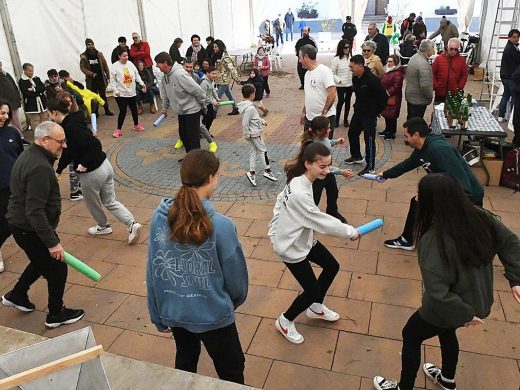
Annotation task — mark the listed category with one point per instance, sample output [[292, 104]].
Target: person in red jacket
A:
[[140, 50], [393, 83], [450, 71]]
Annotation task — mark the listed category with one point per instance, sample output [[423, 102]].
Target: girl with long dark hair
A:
[[457, 242], [196, 275], [291, 230], [343, 79]]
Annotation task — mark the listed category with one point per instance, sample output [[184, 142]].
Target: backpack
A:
[[510, 176]]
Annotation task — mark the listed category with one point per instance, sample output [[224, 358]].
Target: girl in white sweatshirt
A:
[[295, 218]]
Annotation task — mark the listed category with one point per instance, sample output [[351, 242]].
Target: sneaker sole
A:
[[76, 199], [433, 379], [68, 322], [277, 325], [134, 239], [7, 303], [250, 181], [404, 248], [101, 233], [355, 162]]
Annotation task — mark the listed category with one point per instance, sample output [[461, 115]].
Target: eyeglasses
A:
[[367, 50], [61, 142], [134, 38]]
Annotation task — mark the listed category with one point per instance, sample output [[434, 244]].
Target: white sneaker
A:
[[288, 330], [99, 230], [500, 119], [1, 264], [322, 312], [251, 178], [134, 230], [381, 383], [269, 176]]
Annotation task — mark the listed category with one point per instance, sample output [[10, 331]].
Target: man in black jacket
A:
[[305, 40], [349, 30], [121, 44], [33, 214], [510, 62], [9, 91], [33, 94], [371, 98], [382, 49]]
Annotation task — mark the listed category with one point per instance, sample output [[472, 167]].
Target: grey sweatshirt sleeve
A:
[[191, 87], [164, 95]]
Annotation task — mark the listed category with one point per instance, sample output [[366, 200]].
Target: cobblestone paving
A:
[[149, 163]]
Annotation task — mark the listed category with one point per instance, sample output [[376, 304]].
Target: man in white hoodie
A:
[[186, 98], [252, 127]]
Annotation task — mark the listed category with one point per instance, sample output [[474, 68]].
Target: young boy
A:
[[252, 127]]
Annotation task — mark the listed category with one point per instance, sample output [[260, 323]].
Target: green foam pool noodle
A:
[[226, 103], [80, 266]]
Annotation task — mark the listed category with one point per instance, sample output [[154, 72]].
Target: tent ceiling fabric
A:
[[465, 14], [354, 8]]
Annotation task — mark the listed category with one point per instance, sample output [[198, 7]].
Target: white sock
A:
[[284, 321], [315, 307]]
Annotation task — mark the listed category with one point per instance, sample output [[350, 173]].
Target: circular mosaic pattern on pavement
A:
[[149, 162]]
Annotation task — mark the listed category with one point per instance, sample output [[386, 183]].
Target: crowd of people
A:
[[186, 232]]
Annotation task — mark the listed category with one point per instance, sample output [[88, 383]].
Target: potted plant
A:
[[327, 28], [307, 10]]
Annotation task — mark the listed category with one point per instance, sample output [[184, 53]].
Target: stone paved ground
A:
[[375, 292]]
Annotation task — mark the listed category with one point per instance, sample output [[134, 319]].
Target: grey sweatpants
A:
[[98, 190], [257, 148], [204, 131]]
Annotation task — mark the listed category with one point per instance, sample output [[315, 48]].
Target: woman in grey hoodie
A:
[[295, 218]]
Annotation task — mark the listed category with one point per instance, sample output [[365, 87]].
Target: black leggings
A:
[[331, 188], [223, 346], [415, 332], [314, 290], [122, 103], [344, 96], [391, 126], [266, 84]]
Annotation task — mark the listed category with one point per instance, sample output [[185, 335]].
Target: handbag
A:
[[392, 100]]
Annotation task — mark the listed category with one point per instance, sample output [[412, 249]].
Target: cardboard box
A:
[[478, 74], [494, 168]]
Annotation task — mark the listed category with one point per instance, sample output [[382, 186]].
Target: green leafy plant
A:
[[307, 10], [328, 25]]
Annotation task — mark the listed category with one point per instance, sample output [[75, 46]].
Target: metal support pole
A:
[[11, 40], [252, 21], [210, 13], [142, 24]]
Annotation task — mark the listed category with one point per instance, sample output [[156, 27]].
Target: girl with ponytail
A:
[[196, 274], [295, 218]]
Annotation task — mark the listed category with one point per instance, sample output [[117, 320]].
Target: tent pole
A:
[[142, 23], [252, 21], [483, 13], [210, 13], [11, 41]]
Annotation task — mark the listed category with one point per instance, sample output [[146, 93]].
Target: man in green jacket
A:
[[436, 155], [33, 214]]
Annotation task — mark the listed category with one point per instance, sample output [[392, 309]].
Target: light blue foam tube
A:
[[159, 120], [93, 122], [368, 227]]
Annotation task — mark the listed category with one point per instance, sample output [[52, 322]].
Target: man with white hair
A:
[[419, 80], [382, 49], [450, 71], [33, 214]]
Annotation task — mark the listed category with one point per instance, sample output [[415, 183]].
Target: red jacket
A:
[[449, 74], [141, 52], [266, 64], [393, 83]]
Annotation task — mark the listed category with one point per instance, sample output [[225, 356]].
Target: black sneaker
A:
[[346, 123], [382, 133], [389, 136], [180, 160], [381, 383], [366, 170], [434, 373], [21, 303], [109, 113], [400, 243], [64, 317], [76, 196], [352, 160], [25, 142], [234, 112], [301, 87]]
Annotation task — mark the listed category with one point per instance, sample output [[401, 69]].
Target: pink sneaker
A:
[[117, 133], [138, 127]]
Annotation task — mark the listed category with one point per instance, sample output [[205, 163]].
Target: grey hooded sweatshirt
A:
[[181, 92], [252, 124]]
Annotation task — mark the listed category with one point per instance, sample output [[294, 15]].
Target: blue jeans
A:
[[225, 89], [366, 125], [287, 31], [508, 86]]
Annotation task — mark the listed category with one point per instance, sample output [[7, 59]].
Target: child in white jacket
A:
[[295, 218], [252, 127]]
